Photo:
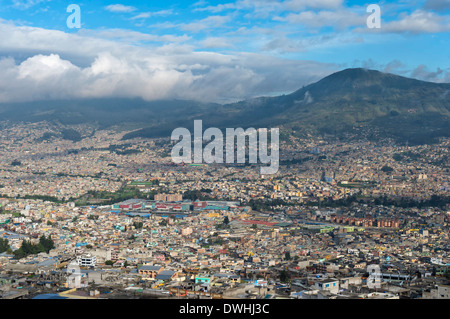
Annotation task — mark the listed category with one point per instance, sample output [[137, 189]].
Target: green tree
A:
[[447, 274], [284, 276], [387, 169], [4, 245], [46, 243], [138, 225], [27, 248], [397, 157], [16, 163]]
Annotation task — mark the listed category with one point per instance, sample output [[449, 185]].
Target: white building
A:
[[86, 261], [331, 285], [74, 276]]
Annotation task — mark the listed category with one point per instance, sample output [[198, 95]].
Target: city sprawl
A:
[[132, 223]]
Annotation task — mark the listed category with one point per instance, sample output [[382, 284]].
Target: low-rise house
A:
[[331, 285], [148, 271], [166, 275]]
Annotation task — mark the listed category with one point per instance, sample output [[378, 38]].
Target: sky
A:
[[211, 51]]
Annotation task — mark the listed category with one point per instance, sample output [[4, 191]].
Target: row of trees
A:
[[402, 202], [45, 245], [405, 202], [194, 195], [224, 224], [259, 205]]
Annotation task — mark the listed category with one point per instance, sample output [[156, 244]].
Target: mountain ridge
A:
[[344, 102]]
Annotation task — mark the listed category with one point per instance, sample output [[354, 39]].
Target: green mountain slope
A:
[[357, 101]]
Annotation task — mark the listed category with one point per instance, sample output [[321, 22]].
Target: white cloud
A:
[[117, 69], [161, 13], [120, 8], [215, 42], [419, 21], [43, 68], [317, 4], [26, 4], [422, 73], [263, 8], [39, 77], [217, 8], [206, 23], [340, 19], [130, 36], [395, 66]]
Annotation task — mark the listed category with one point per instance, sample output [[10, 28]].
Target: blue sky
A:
[[211, 50]]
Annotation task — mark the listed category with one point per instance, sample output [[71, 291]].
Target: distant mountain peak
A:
[[361, 75], [351, 100], [360, 81]]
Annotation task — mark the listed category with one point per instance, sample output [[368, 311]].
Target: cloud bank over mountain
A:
[[211, 52], [105, 68]]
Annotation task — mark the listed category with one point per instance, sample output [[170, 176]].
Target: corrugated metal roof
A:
[[145, 267]]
